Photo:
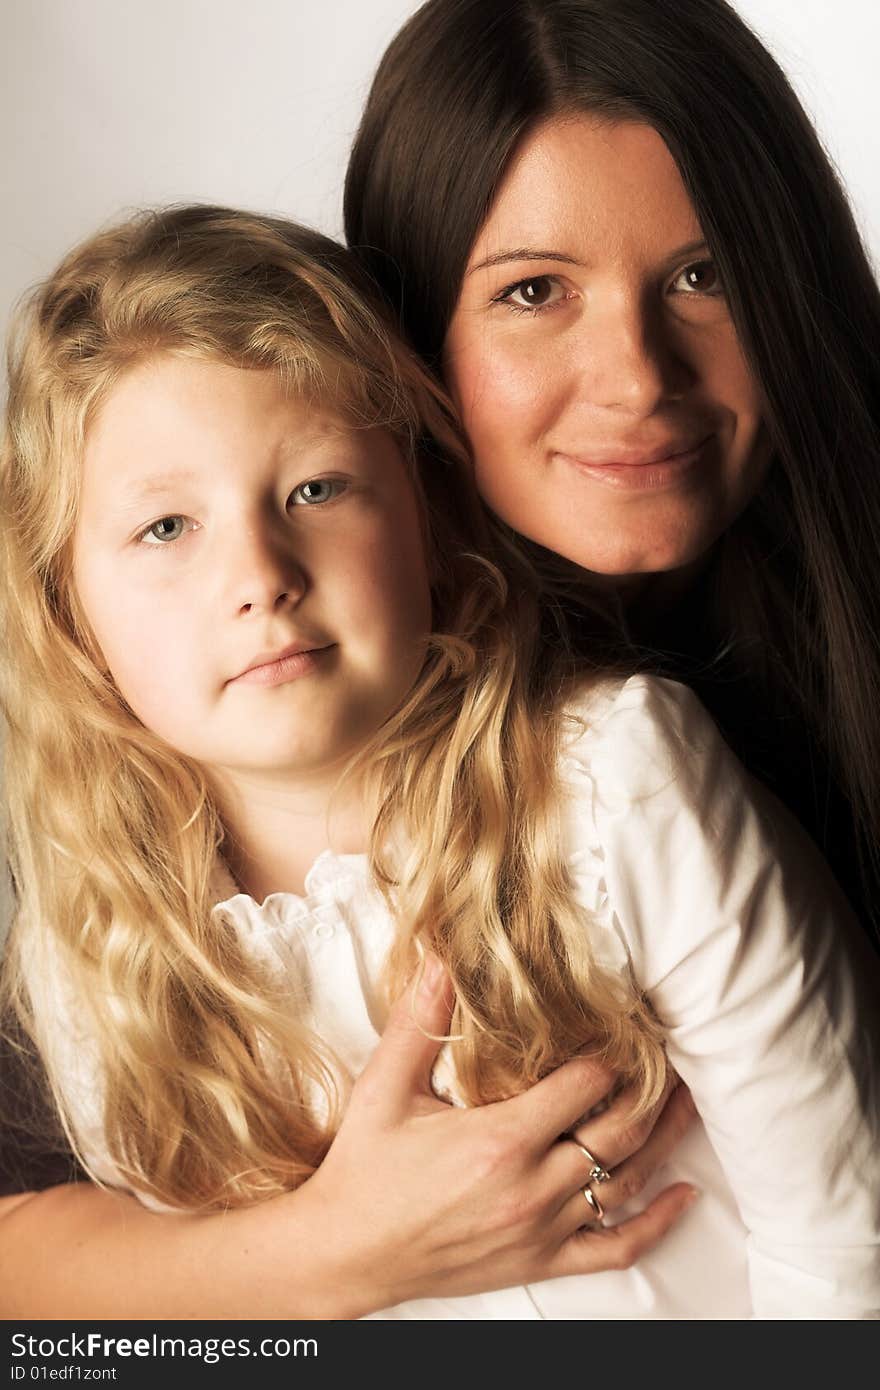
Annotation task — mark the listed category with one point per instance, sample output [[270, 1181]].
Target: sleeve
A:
[[741, 940]]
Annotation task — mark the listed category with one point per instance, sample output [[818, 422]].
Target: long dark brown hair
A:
[[790, 602]]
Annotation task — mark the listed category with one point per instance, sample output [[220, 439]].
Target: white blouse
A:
[[697, 881]]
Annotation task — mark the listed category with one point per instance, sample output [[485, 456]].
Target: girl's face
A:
[[253, 568], [610, 410]]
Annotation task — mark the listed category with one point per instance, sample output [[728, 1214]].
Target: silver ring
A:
[[594, 1204], [597, 1172]]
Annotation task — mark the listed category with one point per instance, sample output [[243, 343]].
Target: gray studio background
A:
[[107, 105]]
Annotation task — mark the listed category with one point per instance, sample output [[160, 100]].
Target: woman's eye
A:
[[167, 528], [539, 292], [316, 490], [700, 278]]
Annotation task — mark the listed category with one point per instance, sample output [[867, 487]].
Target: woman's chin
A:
[[622, 566]]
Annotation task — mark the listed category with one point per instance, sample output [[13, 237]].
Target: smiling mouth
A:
[[646, 473]]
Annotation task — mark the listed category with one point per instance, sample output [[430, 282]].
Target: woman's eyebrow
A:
[[525, 253], [688, 250], [522, 253]]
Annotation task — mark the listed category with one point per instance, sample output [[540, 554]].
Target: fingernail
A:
[[692, 1195], [432, 974]]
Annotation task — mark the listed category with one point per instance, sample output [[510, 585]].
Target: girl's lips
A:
[[641, 475], [285, 668]]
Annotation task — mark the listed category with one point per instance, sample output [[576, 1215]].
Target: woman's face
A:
[[592, 355]]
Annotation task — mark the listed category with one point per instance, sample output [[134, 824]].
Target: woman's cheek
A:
[[505, 394]]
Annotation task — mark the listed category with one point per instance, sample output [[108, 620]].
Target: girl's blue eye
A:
[[699, 278], [167, 528], [538, 292], [316, 490]]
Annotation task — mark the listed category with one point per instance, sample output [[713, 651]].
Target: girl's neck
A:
[[275, 833]]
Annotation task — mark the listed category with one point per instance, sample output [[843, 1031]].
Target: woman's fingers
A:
[[591, 1248], [570, 1161], [612, 1137], [551, 1106], [628, 1179], [400, 1067]]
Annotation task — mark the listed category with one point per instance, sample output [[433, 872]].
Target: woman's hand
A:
[[415, 1199], [447, 1201]]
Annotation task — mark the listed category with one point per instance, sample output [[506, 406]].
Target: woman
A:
[[627, 252]]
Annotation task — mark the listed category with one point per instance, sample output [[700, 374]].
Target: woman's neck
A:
[[275, 833], [648, 596]]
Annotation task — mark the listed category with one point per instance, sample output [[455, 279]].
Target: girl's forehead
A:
[[317, 395], [179, 419]]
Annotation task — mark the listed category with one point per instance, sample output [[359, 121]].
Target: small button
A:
[[324, 931]]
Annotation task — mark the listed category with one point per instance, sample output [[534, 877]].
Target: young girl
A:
[[281, 733]]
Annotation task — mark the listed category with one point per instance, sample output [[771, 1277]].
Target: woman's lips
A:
[[648, 472]]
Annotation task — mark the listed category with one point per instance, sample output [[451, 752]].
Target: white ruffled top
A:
[[695, 880]]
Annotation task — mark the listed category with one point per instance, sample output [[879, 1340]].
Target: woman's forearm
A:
[[79, 1251], [415, 1199]]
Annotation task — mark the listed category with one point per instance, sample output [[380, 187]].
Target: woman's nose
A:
[[265, 572], [633, 367]]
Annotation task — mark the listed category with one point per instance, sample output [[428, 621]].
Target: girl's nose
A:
[[266, 573]]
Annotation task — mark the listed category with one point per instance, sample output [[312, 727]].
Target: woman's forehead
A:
[[586, 187]]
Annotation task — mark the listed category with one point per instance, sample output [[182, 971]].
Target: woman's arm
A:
[[80, 1251], [415, 1199]]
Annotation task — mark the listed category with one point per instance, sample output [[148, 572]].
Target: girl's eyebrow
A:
[[525, 253], [154, 486]]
